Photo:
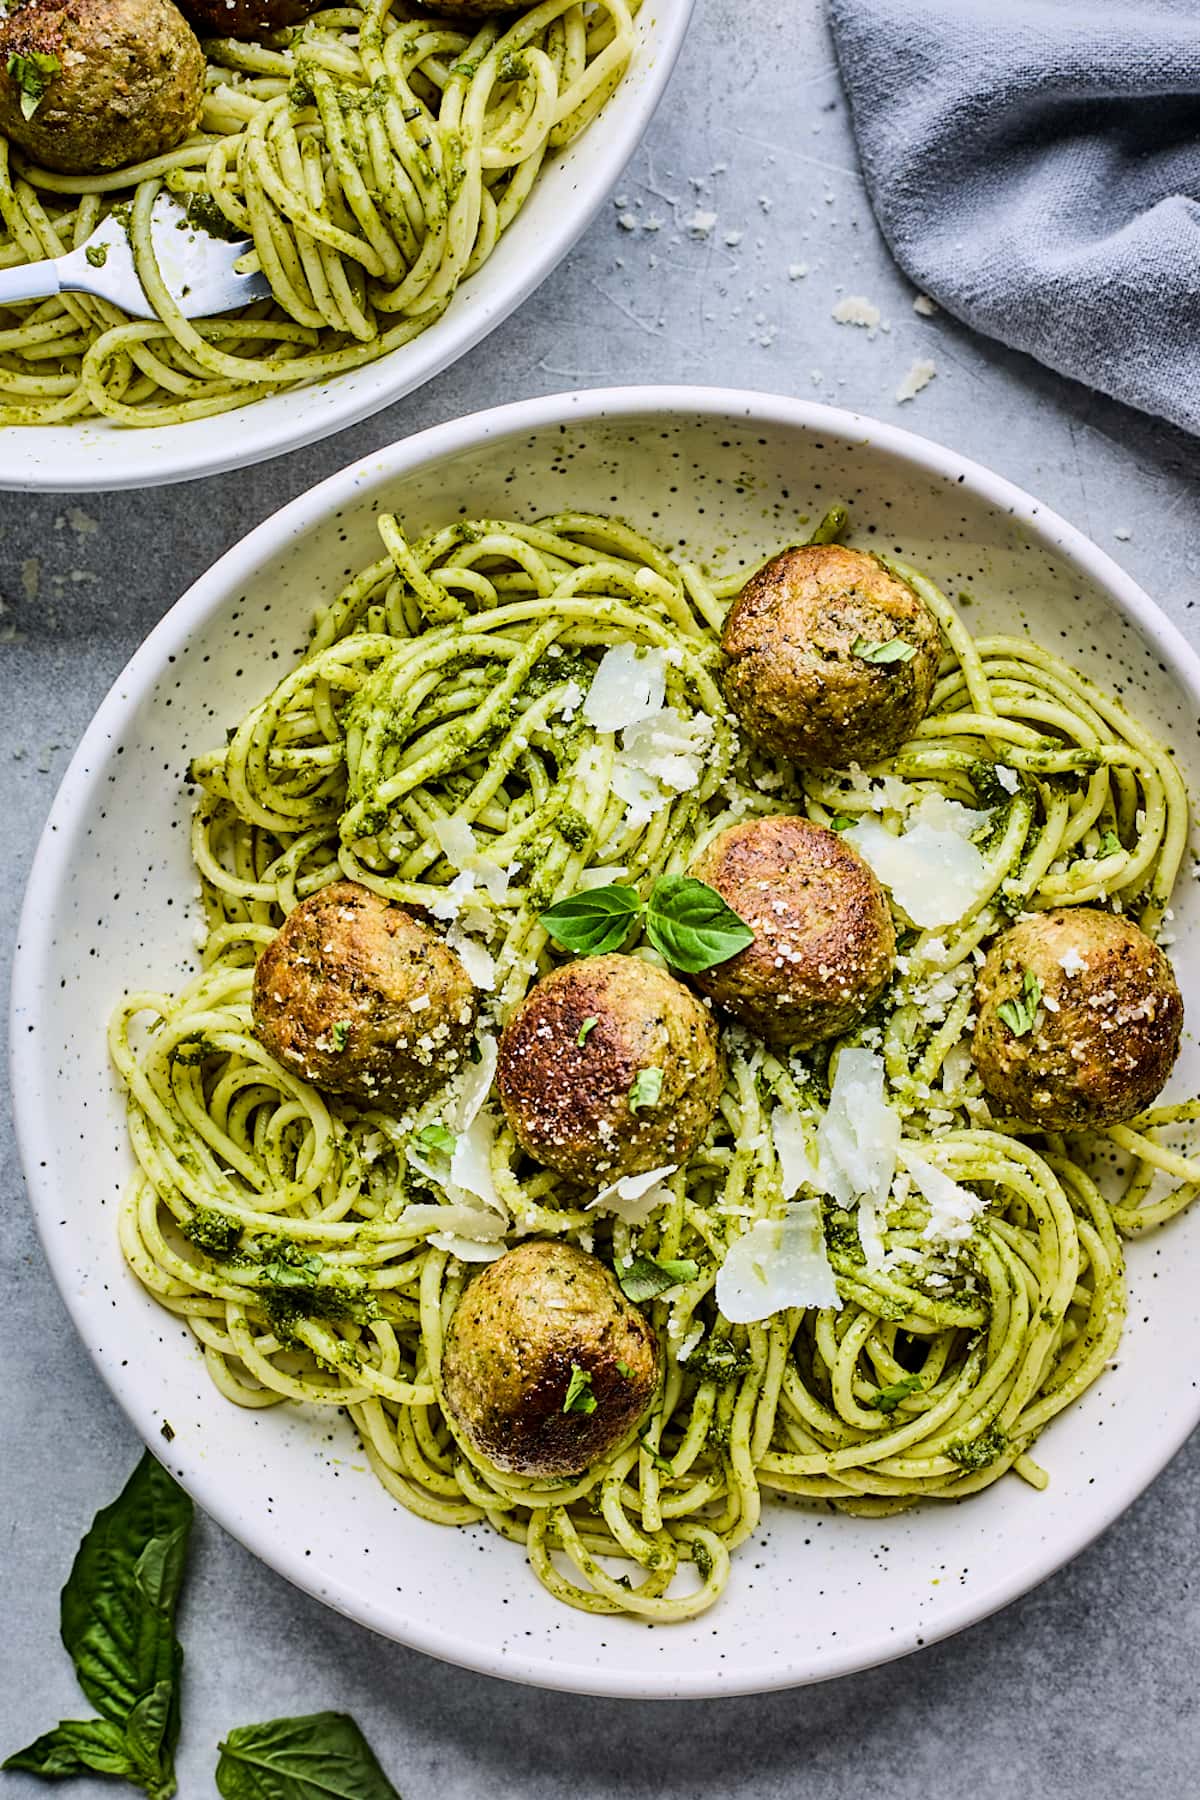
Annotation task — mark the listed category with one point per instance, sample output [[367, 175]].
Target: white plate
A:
[[109, 904], [96, 455]]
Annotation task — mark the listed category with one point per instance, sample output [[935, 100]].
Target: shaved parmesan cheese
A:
[[475, 1084], [952, 1208], [449, 903], [859, 1135], [668, 747], [568, 704], [796, 1167], [600, 877], [778, 1263], [931, 868], [471, 1163], [630, 683], [466, 1249], [456, 840], [635, 1197], [641, 793], [475, 957], [467, 1221]]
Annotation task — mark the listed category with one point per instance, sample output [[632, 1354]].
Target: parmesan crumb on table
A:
[[919, 376], [856, 309]]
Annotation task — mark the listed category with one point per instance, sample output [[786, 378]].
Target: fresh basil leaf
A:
[[719, 1360], [323, 1756], [646, 1090], [889, 1398], [891, 651], [595, 922], [437, 1137], [691, 926], [77, 1747], [643, 1279], [580, 1397], [1019, 1013], [581, 1035], [118, 1606], [842, 822]]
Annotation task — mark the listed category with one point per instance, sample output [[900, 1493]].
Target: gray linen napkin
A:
[[1035, 167]]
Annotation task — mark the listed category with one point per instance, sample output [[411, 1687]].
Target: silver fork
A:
[[198, 269]]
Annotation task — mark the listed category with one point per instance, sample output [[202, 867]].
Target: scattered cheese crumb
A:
[[918, 377], [925, 306], [701, 223], [797, 271], [856, 309]]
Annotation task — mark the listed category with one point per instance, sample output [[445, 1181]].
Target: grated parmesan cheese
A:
[[856, 309], [919, 377]]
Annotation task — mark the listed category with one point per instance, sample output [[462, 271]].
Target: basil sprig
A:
[[686, 920], [319, 1757], [1019, 1013], [594, 922], [118, 1625]]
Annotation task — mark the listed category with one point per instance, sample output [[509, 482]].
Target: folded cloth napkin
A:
[[1035, 167]]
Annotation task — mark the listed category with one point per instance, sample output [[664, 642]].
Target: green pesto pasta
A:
[[374, 156], [440, 695]]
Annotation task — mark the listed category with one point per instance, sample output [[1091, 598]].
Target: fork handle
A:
[[29, 281]]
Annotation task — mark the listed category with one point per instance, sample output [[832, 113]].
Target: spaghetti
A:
[[432, 728], [373, 158]]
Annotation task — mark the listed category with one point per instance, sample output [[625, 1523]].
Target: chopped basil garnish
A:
[[438, 1138], [581, 1035], [1019, 1014], [1110, 844], [580, 1397], [32, 74], [643, 1279], [646, 1090], [339, 1033], [842, 821], [891, 651], [656, 1457], [889, 1398]]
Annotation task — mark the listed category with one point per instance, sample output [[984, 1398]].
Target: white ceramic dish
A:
[[570, 190], [108, 906]]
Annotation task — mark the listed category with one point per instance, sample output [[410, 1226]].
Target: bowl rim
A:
[[249, 441], [50, 868]]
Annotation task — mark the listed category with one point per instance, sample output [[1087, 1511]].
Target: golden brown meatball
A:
[[357, 996], [824, 943], [1079, 1018], [471, 9], [609, 1067], [123, 80], [245, 18], [521, 1329], [831, 659]]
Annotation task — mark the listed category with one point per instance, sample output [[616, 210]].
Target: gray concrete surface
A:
[[1087, 1688]]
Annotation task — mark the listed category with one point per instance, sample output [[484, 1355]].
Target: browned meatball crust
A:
[[129, 82], [357, 996], [795, 679], [520, 1329], [576, 1106], [1106, 1029], [470, 9], [824, 944], [245, 18]]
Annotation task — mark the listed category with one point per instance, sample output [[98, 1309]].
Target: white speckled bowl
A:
[[109, 906], [97, 455]]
